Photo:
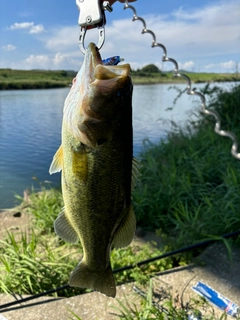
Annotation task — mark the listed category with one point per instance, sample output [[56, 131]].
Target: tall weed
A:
[[30, 264], [44, 207], [189, 188]]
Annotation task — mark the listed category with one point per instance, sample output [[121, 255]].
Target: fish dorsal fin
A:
[[126, 231], [135, 172], [57, 162], [64, 229]]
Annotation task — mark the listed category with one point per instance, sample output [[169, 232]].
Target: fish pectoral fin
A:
[[135, 172], [126, 231], [64, 229], [57, 162], [102, 281]]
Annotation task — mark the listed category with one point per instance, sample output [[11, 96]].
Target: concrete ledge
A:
[[213, 268]]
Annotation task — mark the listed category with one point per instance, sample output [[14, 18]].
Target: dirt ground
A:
[[14, 220], [213, 268]]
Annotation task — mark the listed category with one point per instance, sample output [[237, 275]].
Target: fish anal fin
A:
[[102, 281], [64, 229], [57, 162], [126, 231]]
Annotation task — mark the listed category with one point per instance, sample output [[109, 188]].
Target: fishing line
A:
[[6, 306]]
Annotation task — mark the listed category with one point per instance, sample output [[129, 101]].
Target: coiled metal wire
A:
[[190, 91]]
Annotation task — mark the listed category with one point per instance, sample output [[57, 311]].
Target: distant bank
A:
[[43, 79]]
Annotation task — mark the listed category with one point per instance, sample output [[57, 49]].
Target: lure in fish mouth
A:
[[98, 169]]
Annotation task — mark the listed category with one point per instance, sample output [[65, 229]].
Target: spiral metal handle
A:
[[190, 91]]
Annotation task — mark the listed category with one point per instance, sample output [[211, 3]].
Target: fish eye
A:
[[74, 80], [120, 92]]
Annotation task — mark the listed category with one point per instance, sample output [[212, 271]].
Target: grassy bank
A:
[[36, 260], [44, 79], [167, 77], [190, 183], [34, 79]]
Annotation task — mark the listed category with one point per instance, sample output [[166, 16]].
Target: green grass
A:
[[154, 78], [35, 261], [190, 184], [44, 209], [167, 308], [31, 264], [161, 305], [133, 254], [34, 79], [44, 79]]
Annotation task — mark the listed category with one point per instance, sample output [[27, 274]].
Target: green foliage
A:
[[75, 316], [150, 68], [36, 261], [134, 254], [45, 207], [190, 183], [152, 74], [30, 264], [41, 79], [34, 79], [63, 73], [226, 103], [166, 308]]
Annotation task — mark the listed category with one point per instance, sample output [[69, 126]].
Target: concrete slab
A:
[[215, 270]]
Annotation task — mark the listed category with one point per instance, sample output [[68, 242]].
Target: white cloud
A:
[[188, 65], [63, 38], [37, 60], [227, 66], [66, 60], [58, 58], [199, 39], [9, 47], [30, 26], [37, 29], [217, 14], [187, 34], [56, 61], [211, 31], [211, 66], [22, 25]]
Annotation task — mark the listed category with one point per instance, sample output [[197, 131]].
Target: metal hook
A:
[[101, 38]]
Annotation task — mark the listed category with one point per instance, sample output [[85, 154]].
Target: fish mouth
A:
[[93, 51], [99, 71]]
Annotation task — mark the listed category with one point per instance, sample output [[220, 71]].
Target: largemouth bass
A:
[[98, 169]]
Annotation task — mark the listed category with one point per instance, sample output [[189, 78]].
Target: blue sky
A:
[[201, 35]]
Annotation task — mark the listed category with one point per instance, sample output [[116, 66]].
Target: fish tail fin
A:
[[102, 281]]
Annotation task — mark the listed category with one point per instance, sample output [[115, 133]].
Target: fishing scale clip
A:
[[97, 19], [92, 15]]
